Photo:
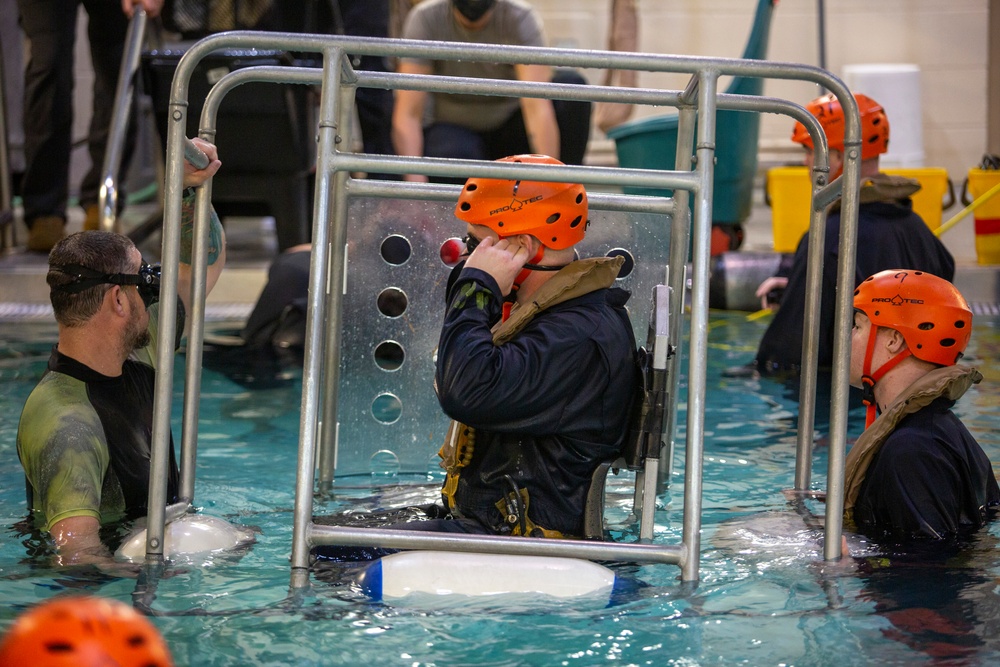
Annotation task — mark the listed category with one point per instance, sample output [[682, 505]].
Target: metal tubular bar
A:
[[335, 296], [598, 201], [167, 328], [513, 170], [698, 358], [842, 322], [107, 203], [689, 96], [581, 58], [810, 349], [333, 166], [196, 337], [810, 329], [488, 87], [507, 88], [587, 92], [319, 270], [199, 269], [411, 539], [828, 194], [677, 280]]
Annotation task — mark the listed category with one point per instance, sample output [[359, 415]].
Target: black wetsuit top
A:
[[124, 404], [84, 438]]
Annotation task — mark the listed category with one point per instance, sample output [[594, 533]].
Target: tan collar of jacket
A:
[[884, 188], [950, 382], [575, 279]]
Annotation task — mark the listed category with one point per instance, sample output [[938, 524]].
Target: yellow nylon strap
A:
[[531, 527]]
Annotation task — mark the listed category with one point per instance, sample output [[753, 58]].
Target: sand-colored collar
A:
[[575, 279], [950, 382]]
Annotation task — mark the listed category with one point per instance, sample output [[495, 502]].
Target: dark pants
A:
[[364, 18], [511, 138], [375, 116], [370, 18], [50, 26]]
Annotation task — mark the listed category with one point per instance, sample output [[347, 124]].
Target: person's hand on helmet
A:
[[503, 259]]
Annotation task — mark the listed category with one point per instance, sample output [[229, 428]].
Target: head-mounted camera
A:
[[147, 281]]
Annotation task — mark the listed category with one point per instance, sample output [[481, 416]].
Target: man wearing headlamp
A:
[[85, 431]]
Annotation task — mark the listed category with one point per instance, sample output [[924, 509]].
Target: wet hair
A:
[[103, 252]]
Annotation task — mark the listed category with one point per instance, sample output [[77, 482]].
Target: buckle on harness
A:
[[867, 390]]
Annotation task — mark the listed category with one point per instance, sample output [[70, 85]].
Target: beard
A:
[[137, 336]]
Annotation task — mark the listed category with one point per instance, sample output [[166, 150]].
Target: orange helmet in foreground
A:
[[554, 213], [874, 125], [83, 632]]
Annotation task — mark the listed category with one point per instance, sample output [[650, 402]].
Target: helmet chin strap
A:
[[868, 379], [528, 268], [521, 277], [533, 265]]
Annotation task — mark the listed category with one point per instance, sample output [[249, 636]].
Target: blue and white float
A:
[[400, 575]]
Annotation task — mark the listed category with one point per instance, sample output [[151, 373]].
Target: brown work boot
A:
[[92, 219], [45, 232]]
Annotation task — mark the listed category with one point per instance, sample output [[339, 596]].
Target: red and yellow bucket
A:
[[987, 214]]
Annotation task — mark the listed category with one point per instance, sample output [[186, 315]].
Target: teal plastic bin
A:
[[651, 143]]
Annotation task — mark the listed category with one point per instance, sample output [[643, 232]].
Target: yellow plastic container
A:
[[788, 192], [987, 215], [928, 201]]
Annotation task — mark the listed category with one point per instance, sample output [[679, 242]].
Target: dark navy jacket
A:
[[930, 479], [890, 236], [548, 406]]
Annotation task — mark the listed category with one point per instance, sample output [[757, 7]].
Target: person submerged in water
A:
[[536, 363], [916, 472], [85, 431], [889, 232]]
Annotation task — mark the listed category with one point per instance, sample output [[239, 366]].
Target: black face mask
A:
[[147, 281], [473, 10]]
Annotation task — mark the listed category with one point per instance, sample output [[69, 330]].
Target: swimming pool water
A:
[[765, 596]]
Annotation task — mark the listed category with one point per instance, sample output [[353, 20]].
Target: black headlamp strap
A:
[[85, 278], [147, 280]]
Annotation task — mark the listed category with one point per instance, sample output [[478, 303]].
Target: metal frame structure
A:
[[107, 203], [691, 180]]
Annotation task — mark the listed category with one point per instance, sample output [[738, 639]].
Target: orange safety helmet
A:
[[932, 316], [930, 313], [554, 213], [874, 125], [84, 632]]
